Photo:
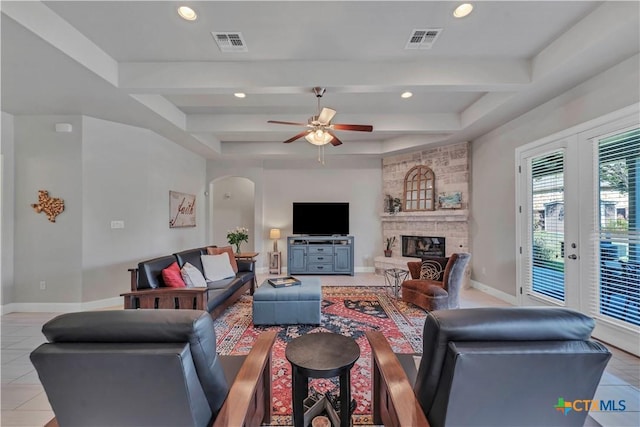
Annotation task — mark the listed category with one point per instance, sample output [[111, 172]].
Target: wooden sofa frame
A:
[[178, 298], [393, 401]]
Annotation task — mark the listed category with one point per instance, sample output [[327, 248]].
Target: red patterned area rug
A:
[[346, 310]]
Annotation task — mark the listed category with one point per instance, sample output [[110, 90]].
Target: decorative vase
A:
[[237, 248], [387, 253]]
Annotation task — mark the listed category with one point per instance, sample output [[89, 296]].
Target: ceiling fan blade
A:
[[360, 128], [326, 115], [335, 141], [286, 123], [298, 136]]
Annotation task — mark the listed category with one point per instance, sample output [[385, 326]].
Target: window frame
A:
[[415, 179]]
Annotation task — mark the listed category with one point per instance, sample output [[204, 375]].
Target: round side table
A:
[[321, 355]]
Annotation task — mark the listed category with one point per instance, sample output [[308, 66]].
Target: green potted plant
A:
[[237, 236], [390, 241]]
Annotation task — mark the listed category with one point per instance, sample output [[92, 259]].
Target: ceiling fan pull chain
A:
[[321, 154]]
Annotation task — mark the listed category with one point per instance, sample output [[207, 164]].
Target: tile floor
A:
[[24, 402]]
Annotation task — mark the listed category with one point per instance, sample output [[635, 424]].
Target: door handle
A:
[[573, 256]]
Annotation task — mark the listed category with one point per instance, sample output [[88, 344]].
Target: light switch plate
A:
[[117, 224]]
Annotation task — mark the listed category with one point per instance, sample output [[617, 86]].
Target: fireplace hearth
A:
[[423, 246]]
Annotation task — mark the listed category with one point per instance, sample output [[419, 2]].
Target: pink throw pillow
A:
[[172, 277]]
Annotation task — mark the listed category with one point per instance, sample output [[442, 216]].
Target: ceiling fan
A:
[[320, 129]]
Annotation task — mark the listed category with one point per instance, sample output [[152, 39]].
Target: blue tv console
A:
[[320, 255]]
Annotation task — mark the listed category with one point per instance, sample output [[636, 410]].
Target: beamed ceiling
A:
[[139, 63]]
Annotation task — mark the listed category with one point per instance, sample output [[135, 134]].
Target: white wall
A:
[[127, 175], [7, 150], [281, 182], [233, 206], [254, 172], [493, 166], [357, 181], [46, 251], [104, 171]]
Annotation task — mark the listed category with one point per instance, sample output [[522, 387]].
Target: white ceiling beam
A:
[[210, 141], [410, 142], [417, 123], [338, 76], [610, 28], [42, 21], [301, 148], [167, 110], [484, 106]]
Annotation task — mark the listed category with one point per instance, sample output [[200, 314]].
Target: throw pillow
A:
[[172, 277], [433, 268], [222, 250], [217, 267], [192, 276]]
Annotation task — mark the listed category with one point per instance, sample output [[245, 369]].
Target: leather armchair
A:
[[150, 368], [433, 294], [503, 366]]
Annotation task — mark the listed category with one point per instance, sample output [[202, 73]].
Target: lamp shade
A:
[[274, 233], [319, 137]]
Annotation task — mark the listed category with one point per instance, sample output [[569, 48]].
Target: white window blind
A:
[[616, 236], [547, 227]]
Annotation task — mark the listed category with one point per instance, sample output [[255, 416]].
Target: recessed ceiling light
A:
[[187, 13], [240, 95], [463, 10], [406, 95]]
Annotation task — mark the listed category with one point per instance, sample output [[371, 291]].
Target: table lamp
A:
[[274, 234]]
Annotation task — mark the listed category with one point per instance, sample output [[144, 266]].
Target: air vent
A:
[[230, 42], [423, 39]]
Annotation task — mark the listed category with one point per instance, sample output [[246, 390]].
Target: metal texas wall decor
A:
[[51, 206]]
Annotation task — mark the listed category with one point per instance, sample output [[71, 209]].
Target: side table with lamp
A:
[[275, 260]]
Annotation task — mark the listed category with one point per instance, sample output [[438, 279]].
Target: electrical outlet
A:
[[43, 285], [484, 271], [117, 224]]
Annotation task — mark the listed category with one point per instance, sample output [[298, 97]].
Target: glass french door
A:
[[577, 217], [549, 217]]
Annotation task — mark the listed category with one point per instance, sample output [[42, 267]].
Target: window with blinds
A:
[[618, 237], [547, 226]]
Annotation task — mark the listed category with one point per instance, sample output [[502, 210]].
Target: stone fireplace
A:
[[422, 246], [450, 164]]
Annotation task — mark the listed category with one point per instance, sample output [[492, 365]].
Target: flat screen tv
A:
[[321, 218]]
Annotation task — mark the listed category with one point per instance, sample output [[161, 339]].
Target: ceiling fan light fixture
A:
[[463, 10], [240, 95], [318, 137], [187, 13], [406, 94]]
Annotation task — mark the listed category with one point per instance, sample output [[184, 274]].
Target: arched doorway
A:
[[231, 205]]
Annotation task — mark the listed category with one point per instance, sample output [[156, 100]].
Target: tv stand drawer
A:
[[320, 249], [319, 268], [321, 258]]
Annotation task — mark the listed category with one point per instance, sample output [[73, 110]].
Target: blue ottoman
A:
[[292, 305]]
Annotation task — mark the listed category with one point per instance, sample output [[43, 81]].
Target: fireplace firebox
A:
[[423, 246]]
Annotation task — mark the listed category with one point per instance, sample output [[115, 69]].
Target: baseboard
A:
[[265, 270], [494, 292], [60, 307]]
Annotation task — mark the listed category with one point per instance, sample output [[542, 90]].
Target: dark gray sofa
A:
[[148, 290]]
